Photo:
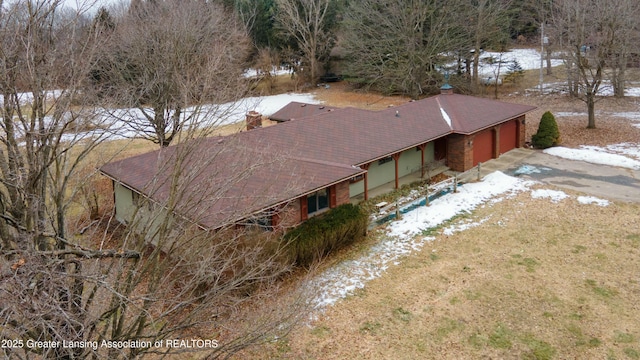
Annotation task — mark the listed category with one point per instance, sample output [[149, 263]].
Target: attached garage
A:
[[483, 145], [508, 136]]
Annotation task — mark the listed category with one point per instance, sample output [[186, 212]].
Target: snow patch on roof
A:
[[446, 116]]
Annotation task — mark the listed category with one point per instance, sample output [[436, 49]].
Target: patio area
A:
[[390, 186]]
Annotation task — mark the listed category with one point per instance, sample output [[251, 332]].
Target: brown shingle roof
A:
[[470, 114], [296, 110], [257, 169], [223, 180]]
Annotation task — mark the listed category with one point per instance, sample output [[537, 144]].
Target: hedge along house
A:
[[321, 157]]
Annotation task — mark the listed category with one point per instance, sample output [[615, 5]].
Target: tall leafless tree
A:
[[43, 49], [592, 32], [626, 33], [396, 46], [162, 277], [308, 23], [486, 22], [170, 60]]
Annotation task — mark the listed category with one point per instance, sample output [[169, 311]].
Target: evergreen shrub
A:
[[548, 134], [337, 228]]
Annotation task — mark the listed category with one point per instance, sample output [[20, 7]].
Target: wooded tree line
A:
[[68, 272], [405, 47]]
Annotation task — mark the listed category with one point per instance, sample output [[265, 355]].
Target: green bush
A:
[[548, 134], [322, 234]]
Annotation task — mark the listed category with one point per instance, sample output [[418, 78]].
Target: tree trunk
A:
[[618, 77], [590, 98], [549, 72]]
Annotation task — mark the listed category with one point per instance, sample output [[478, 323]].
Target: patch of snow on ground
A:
[[462, 226], [466, 199], [348, 276], [633, 116], [594, 155], [343, 279], [527, 169], [568, 113], [401, 240], [627, 149], [562, 88], [527, 58], [119, 120], [587, 200], [606, 89], [275, 71], [554, 195]]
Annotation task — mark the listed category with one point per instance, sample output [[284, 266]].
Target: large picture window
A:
[[317, 201]]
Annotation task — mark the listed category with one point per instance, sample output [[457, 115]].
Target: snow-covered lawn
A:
[[529, 59], [215, 114], [405, 235]]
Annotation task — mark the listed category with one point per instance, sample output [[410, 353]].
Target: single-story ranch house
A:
[[317, 158]]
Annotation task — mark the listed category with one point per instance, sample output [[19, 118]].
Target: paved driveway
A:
[[604, 181]]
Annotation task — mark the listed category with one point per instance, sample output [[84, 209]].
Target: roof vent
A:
[[397, 113], [446, 89]]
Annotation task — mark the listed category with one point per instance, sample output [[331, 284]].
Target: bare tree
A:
[[625, 43], [486, 22], [112, 292], [168, 59], [308, 22], [43, 48], [591, 32], [397, 46]]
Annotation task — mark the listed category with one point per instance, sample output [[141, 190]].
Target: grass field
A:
[[538, 280]]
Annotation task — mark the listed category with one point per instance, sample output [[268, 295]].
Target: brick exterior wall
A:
[[522, 131], [459, 152], [291, 214], [342, 193]]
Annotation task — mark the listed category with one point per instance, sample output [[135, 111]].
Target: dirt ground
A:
[[537, 280]]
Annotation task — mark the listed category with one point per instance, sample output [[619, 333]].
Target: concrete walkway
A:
[[609, 182], [506, 161], [603, 181]]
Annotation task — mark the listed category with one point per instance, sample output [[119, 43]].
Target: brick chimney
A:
[[253, 120]]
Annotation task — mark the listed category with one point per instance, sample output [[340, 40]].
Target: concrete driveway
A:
[[609, 182]]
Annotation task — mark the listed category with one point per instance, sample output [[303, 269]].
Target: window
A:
[[317, 201], [355, 179], [385, 160], [265, 222]]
